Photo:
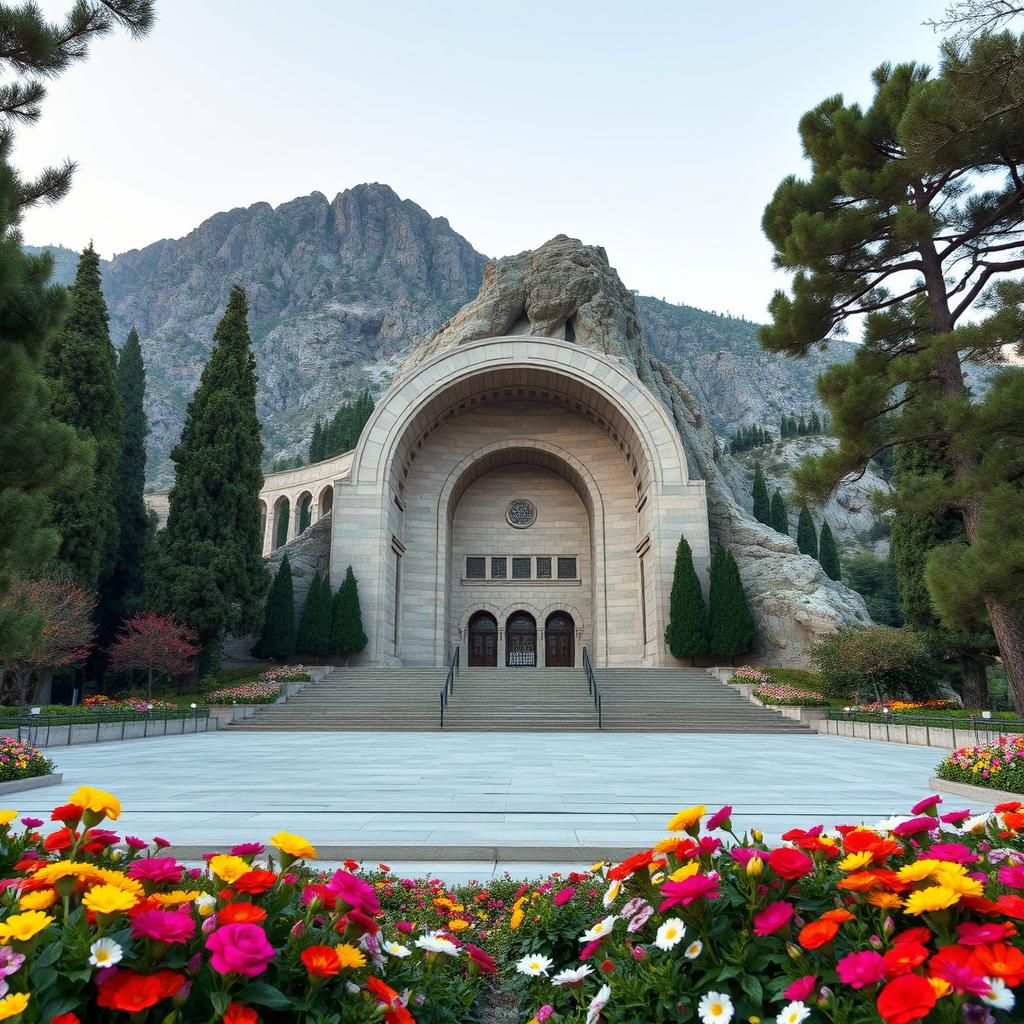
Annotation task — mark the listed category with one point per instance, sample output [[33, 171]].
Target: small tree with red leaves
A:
[[157, 644], [63, 611]]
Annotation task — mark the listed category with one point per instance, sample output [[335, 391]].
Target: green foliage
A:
[[828, 553], [780, 517], [277, 641], [730, 622], [347, 635], [212, 574], [341, 434], [762, 505], [806, 535], [82, 369], [687, 631], [879, 662], [875, 580], [749, 437], [799, 677], [315, 627]]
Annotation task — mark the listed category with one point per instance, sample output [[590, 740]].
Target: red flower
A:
[[256, 881], [953, 965], [383, 993], [607, 966], [66, 1018], [321, 961], [999, 960], [236, 1013], [904, 958], [630, 865], [130, 992], [789, 863], [818, 933], [904, 999], [70, 814], [62, 839], [1011, 905], [922, 936], [241, 913]]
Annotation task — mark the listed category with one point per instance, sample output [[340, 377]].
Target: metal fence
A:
[[37, 729], [971, 728]]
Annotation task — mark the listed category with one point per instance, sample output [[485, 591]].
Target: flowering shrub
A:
[[904, 706], [101, 702], [285, 674], [997, 764], [747, 674], [781, 693], [20, 760], [246, 693], [876, 659]]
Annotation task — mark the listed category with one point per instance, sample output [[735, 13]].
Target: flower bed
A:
[[748, 674], [21, 760], [794, 696], [246, 693], [910, 920], [998, 764], [905, 707], [285, 674]]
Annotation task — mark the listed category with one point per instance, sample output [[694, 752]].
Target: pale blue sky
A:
[[658, 130]]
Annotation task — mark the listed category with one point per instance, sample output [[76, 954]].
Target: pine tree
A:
[[347, 636], [277, 641], [82, 369], [815, 427], [828, 555], [213, 575], [801, 428], [762, 504], [780, 517], [806, 536], [730, 622], [314, 636], [316, 445], [687, 631]]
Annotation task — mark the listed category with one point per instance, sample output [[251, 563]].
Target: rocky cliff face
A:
[[565, 282]]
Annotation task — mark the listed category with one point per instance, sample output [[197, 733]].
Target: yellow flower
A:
[[108, 899], [349, 956], [6, 817], [755, 867], [940, 987], [228, 868], [686, 818], [51, 873], [457, 925], [958, 881], [294, 846], [119, 880], [885, 900], [38, 899], [22, 927], [935, 897], [98, 801], [855, 861], [919, 870], [172, 899], [666, 845], [517, 914], [686, 871], [596, 867], [13, 1004]]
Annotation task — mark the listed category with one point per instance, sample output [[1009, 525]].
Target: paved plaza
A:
[[486, 798]]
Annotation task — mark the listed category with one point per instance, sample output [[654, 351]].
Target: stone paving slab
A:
[[484, 797]]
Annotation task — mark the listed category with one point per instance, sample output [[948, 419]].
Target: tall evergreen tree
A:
[[347, 635], [806, 535], [780, 517], [828, 554], [687, 630], [277, 640], [82, 370], [213, 575], [815, 425], [762, 504], [316, 445], [314, 636], [730, 622]]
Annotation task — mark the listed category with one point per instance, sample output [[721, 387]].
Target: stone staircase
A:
[[519, 700]]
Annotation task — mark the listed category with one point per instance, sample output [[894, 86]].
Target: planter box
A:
[[895, 731], [810, 716], [105, 732], [20, 785], [989, 796]]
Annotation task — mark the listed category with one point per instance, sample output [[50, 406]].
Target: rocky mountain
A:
[[339, 290]]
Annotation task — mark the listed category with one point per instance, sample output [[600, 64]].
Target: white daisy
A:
[[670, 933], [571, 977], [694, 950], [1001, 997], [434, 943], [396, 949], [611, 894], [600, 930], [534, 965], [598, 1003], [793, 1013], [715, 1008], [105, 953]]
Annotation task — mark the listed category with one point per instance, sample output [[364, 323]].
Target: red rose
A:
[[906, 998], [789, 863]]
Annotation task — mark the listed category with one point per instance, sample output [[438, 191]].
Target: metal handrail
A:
[[588, 668], [449, 684]]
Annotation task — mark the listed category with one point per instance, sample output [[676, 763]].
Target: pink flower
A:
[[927, 804], [640, 918], [1012, 877], [955, 852], [358, 894], [163, 925], [405, 927], [743, 855], [858, 970], [719, 818], [955, 965], [564, 895], [591, 948], [160, 842], [915, 825], [971, 934], [247, 850], [543, 1013], [240, 949], [135, 843], [801, 988], [685, 892], [156, 869], [772, 918]]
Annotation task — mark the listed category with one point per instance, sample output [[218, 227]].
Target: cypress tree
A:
[[780, 518], [762, 505], [687, 631], [730, 622], [277, 641], [315, 628], [815, 427], [828, 555], [213, 574], [347, 635], [317, 443], [806, 535], [82, 368]]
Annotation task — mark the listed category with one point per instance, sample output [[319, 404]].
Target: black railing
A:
[[592, 686], [968, 726], [36, 728], [449, 684]]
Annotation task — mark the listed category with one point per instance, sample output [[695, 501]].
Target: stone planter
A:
[[983, 793], [810, 716], [20, 785]]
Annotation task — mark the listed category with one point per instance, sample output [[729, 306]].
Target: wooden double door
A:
[[521, 641]]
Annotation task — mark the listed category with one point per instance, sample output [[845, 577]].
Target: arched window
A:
[[305, 512], [483, 640], [326, 501], [559, 641], [521, 640], [281, 510]]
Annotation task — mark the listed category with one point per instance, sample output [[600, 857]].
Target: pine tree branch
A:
[[975, 291]]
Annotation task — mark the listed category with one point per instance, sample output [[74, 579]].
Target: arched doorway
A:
[[559, 641], [483, 640], [281, 510], [305, 506], [326, 500], [521, 640]]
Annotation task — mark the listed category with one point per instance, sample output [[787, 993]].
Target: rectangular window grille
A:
[[476, 568], [543, 568], [499, 568], [520, 568], [567, 568]]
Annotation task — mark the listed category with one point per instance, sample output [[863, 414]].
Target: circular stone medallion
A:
[[521, 514]]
